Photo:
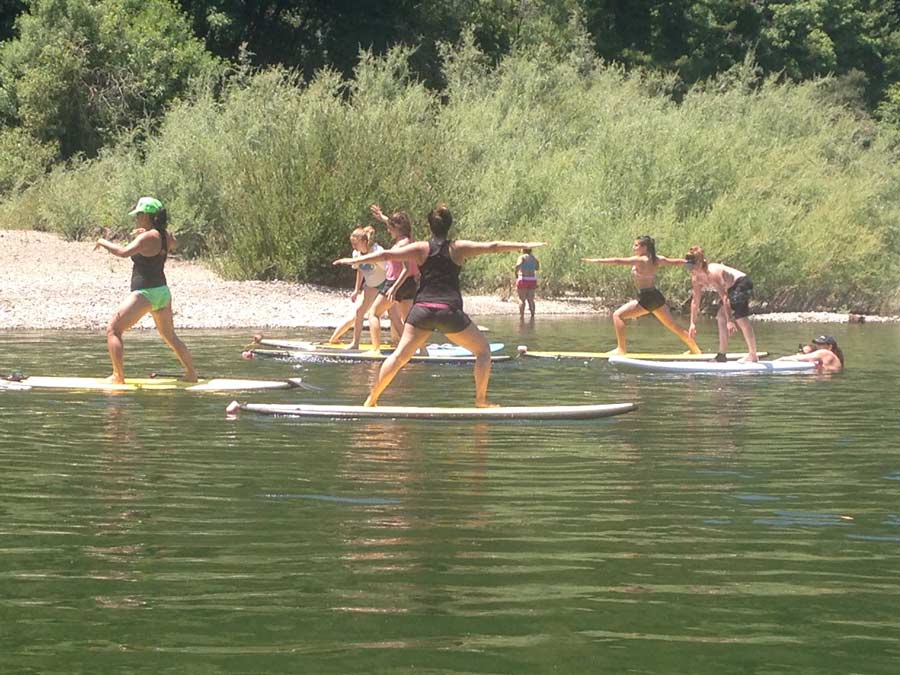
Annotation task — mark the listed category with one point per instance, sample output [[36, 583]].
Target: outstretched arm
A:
[[669, 262], [144, 243], [462, 249], [378, 214], [416, 251], [631, 260]]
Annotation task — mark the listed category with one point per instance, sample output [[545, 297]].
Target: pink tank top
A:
[[394, 268]]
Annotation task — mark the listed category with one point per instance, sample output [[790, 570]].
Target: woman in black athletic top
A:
[[149, 291], [438, 304]]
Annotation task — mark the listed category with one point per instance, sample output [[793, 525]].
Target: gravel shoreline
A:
[[47, 283]]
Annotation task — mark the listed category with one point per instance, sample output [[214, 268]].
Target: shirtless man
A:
[[734, 288]]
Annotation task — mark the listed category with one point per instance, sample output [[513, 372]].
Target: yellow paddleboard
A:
[[645, 356]]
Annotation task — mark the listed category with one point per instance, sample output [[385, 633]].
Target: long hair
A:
[[160, 221], [648, 243], [401, 221], [366, 234], [837, 350], [440, 220], [697, 257]]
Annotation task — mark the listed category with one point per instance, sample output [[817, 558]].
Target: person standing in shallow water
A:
[[438, 304], [149, 290], [527, 267], [735, 290], [644, 265], [823, 351]]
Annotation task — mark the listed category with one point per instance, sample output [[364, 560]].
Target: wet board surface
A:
[[713, 367], [446, 349], [646, 356], [156, 384], [527, 413], [347, 356]]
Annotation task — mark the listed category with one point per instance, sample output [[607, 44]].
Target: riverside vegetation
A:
[[266, 174]]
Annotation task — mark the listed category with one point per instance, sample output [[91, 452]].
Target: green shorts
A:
[[158, 296]]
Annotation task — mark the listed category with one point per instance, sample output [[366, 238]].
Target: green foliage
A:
[[23, 160], [781, 180], [82, 71]]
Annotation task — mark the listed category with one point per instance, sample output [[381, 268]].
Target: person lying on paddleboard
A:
[[402, 280], [823, 351], [438, 304], [149, 292], [370, 281], [644, 265], [735, 290], [526, 269]]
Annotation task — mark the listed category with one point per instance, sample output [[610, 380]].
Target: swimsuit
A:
[[527, 269], [739, 295], [650, 298], [148, 277], [438, 304]]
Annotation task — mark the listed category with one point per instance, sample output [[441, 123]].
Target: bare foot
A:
[[112, 379], [486, 404], [371, 403], [189, 377]]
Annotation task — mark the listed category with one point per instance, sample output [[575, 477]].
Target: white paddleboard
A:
[[647, 356], [712, 367], [527, 413], [13, 385], [446, 349], [347, 356], [156, 384]]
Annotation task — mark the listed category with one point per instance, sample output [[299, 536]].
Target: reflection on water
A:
[[739, 524]]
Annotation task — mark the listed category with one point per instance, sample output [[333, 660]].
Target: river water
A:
[[730, 525]]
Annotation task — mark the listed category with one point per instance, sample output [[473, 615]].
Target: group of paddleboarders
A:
[[417, 283]]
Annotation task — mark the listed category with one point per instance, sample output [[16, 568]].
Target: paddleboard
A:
[[347, 356], [525, 413], [646, 356], [13, 385], [713, 367], [156, 383], [446, 349]]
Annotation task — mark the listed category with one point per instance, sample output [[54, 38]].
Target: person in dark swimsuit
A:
[[438, 304], [149, 291], [644, 265]]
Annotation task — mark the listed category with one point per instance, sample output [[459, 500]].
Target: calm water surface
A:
[[730, 525]]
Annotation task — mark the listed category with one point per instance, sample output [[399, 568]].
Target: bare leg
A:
[[380, 304], [397, 315], [666, 319], [749, 337], [722, 323], [523, 295], [530, 299], [166, 328], [343, 328], [410, 341], [630, 310], [363, 302], [473, 339], [128, 314]]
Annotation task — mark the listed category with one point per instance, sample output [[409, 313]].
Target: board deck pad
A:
[[646, 356], [713, 367], [156, 384], [525, 413]]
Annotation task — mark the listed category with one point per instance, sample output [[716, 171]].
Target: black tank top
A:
[[148, 272], [439, 280]]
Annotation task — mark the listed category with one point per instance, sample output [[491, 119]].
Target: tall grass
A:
[[268, 178]]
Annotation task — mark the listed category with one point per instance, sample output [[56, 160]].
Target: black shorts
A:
[[739, 295], [407, 290], [651, 298], [446, 320]]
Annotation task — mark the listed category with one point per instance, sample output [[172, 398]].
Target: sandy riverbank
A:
[[49, 283]]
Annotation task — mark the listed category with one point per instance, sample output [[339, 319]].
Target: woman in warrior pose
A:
[[149, 292], [644, 265], [370, 281], [438, 304]]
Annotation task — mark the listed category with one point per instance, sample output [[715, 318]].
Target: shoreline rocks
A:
[[47, 283]]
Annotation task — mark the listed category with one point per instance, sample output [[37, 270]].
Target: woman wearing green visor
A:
[[149, 292]]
